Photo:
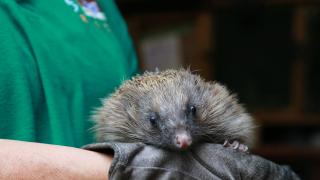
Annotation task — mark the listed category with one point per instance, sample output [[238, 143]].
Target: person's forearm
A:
[[26, 160]]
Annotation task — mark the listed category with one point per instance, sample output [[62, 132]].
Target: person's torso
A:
[[74, 52]]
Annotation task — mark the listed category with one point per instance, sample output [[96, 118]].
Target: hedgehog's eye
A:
[[153, 119], [192, 110]]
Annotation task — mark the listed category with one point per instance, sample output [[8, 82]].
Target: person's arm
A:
[[27, 160]]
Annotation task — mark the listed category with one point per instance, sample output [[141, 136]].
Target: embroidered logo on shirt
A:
[[89, 9]]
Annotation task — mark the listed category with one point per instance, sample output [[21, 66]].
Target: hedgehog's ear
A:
[[157, 71]]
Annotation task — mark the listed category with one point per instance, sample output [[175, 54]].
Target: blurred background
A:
[[267, 52]]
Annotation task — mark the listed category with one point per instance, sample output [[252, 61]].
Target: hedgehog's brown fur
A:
[[124, 114]]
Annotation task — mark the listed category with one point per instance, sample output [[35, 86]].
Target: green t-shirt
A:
[[57, 60]]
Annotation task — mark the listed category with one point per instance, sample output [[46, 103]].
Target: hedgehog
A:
[[173, 109]]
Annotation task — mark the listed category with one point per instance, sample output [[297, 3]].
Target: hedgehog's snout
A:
[[182, 140]]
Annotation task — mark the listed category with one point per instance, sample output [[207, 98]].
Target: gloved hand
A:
[[204, 161]]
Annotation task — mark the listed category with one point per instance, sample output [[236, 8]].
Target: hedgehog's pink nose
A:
[[183, 141]]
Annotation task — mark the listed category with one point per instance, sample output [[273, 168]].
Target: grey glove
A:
[[205, 161]]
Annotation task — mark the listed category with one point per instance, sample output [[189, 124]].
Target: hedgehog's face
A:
[[171, 114]]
